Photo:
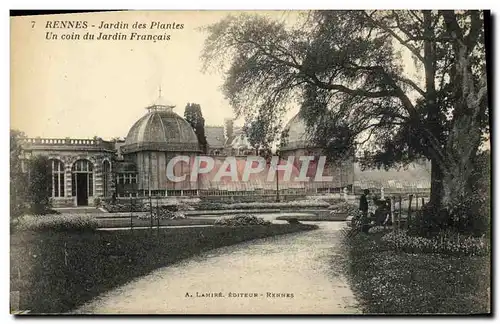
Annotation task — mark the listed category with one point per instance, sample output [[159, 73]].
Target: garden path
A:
[[304, 264]]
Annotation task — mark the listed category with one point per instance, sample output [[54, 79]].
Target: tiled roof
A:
[[215, 136]]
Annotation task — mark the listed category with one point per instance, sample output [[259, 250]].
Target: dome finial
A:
[[160, 104]]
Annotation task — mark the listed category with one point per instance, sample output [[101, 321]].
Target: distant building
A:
[[85, 169]]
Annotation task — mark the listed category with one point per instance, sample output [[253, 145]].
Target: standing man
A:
[[363, 207]]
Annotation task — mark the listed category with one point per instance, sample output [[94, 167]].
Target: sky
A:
[[83, 88]]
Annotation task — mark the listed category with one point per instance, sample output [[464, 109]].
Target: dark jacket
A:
[[363, 203]]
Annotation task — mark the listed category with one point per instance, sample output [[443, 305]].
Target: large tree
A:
[[194, 116], [349, 71]]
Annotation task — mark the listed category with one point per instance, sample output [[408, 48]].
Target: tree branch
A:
[[388, 30]]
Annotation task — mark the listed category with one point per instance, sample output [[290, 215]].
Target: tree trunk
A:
[[436, 185], [433, 111]]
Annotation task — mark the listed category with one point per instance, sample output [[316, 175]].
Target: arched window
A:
[[106, 174], [83, 167], [57, 183]]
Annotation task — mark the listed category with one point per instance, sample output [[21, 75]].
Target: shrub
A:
[[164, 212], [39, 190], [242, 220], [468, 216], [64, 222], [98, 202], [446, 242], [208, 205], [378, 229], [344, 208], [134, 205]]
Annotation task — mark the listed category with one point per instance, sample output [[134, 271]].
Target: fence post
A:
[[151, 210], [158, 215], [392, 202], [400, 209], [416, 202], [65, 254], [410, 198]]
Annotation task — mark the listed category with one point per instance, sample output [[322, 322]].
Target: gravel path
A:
[[291, 274]]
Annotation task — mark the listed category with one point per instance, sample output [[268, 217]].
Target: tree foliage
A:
[[350, 73], [194, 116], [260, 132], [39, 187], [229, 130]]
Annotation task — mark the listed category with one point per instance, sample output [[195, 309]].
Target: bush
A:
[[242, 220], [427, 222], [164, 212], [66, 222], [344, 208], [469, 216], [39, 190], [378, 229], [446, 242], [118, 207], [98, 202]]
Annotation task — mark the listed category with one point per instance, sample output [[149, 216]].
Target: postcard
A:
[[315, 162]]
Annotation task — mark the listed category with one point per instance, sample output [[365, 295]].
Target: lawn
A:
[[136, 222], [388, 281], [57, 271]]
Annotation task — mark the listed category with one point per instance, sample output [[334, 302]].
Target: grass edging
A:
[[56, 272], [315, 218]]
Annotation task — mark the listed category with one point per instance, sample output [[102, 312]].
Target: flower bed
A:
[[344, 208], [379, 229], [390, 281], [241, 220], [163, 213], [62, 222], [263, 205], [445, 242], [135, 206]]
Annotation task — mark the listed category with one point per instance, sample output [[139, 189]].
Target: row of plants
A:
[[137, 205], [386, 280], [205, 205], [165, 212], [64, 222], [344, 207], [119, 207], [241, 220], [446, 242]]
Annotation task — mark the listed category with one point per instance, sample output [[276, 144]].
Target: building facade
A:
[[84, 170]]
